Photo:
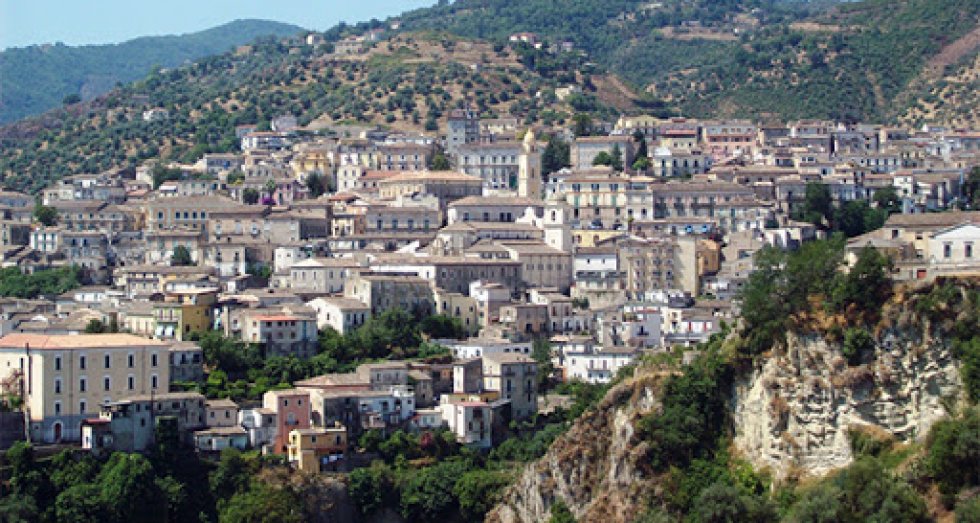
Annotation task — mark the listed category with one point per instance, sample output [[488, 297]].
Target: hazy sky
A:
[[78, 22]]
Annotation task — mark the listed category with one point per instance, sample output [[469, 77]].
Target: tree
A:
[[440, 162], [582, 125], [641, 141], [95, 326], [316, 184], [263, 504], [953, 459], [887, 198], [428, 495], [642, 163], [560, 513], [616, 158], [371, 488], [129, 490], [603, 158], [971, 190], [478, 491], [866, 286], [250, 196], [541, 353], [70, 99], [47, 215], [556, 155], [442, 326], [818, 205], [181, 257]]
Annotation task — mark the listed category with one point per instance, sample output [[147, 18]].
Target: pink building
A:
[[292, 408]]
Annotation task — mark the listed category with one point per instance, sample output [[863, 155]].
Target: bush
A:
[[858, 345]]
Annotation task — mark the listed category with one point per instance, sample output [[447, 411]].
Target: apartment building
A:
[[65, 378]]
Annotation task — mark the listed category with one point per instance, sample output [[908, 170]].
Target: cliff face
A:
[[792, 413], [594, 468]]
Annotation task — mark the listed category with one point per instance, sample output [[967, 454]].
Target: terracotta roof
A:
[[76, 341], [432, 176]]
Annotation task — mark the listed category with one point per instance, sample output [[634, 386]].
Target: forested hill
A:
[[851, 60], [40, 77]]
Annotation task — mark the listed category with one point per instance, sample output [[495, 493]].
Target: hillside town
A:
[[635, 243]]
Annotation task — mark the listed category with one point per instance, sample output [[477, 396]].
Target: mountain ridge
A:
[[37, 78]]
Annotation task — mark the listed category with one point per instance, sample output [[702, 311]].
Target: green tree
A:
[[603, 158], [70, 99], [372, 488], [129, 490], [887, 198], [263, 503], [582, 125], [427, 495], [971, 189], [953, 459], [616, 158], [440, 162], [541, 352], [181, 257], [316, 184], [442, 326], [556, 155], [95, 326], [866, 286], [858, 344], [250, 196], [478, 491], [818, 204], [46, 215], [560, 513]]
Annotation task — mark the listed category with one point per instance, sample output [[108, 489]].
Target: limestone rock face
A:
[[793, 411], [596, 467]]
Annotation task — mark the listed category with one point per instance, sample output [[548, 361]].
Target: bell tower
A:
[[529, 168]]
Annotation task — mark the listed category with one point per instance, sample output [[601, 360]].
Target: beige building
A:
[[514, 376], [382, 292], [65, 379], [445, 185], [341, 314]]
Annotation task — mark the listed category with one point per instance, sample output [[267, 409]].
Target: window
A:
[[81, 384], [57, 386], [153, 381], [947, 251], [153, 360], [57, 363], [82, 406], [108, 361], [107, 383], [131, 382], [968, 250], [57, 408], [130, 361]]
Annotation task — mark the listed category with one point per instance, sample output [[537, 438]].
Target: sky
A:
[[80, 22]]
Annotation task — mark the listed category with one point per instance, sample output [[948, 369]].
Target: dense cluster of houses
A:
[[606, 263]]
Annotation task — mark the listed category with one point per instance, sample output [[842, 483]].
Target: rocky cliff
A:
[[596, 468], [791, 412]]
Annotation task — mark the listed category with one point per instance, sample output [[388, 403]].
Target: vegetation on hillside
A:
[[412, 82], [40, 77], [40, 283], [849, 62]]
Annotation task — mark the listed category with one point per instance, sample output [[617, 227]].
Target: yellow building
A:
[[460, 306], [183, 312], [66, 378], [312, 449]]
